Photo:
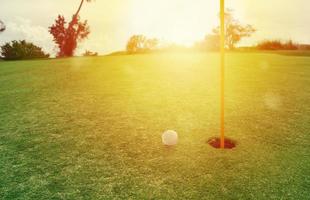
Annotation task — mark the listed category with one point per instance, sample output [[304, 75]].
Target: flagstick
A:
[[222, 16]]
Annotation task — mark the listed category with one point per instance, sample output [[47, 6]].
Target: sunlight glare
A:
[[181, 22]]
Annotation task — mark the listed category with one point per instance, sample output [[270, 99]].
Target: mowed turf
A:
[[90, 128]]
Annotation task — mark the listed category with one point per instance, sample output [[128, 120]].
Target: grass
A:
[[90, 128]]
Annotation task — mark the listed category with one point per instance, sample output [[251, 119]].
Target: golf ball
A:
[[170, 138]]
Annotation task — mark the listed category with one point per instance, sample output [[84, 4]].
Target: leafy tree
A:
[[210, 43], [235, 31], [136, 44], [2, 26], [67, 36], [20, 50], [140, 44]]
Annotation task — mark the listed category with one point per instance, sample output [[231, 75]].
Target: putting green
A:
[[90, 128]]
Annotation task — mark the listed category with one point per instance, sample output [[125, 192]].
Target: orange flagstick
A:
[[222, 73]]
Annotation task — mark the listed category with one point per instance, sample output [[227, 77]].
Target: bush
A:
[[277, 45], [21, 50], [141, 44], [2, 26], [89, 53], [304, 47]]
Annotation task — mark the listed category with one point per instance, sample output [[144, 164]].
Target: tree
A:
[[141, 44], [136, 43], [2, 26], [20, 50], [67, 36], [235, 31], [210, 43]]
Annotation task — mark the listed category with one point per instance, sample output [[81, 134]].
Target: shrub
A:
[[2, 26], [89, 53], [277, 45], [20, 50]]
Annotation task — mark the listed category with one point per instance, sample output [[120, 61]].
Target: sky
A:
[[112, 22]]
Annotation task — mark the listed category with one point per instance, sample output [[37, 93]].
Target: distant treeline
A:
[[67, 35], [139, 44], [277, 45], [235, 32], [211, 43]]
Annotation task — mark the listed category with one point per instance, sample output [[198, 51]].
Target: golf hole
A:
[[215, 142]]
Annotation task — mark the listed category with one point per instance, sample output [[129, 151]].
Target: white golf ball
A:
[[170, 138]]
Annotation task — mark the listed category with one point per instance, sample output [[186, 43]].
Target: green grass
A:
[[90, 128]]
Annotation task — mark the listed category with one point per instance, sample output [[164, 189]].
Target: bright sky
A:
[[112, 22]]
